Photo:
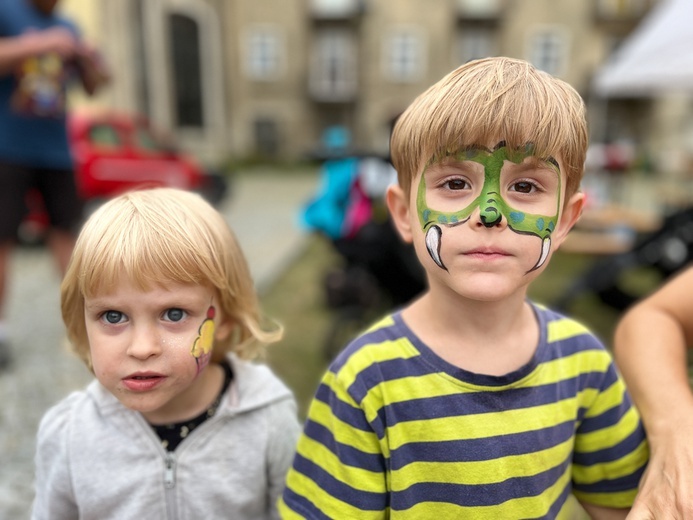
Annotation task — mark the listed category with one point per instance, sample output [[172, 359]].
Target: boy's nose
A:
[[145, 343], [491, 218], [488, 216]]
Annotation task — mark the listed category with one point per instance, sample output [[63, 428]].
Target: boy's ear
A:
[[398, 206], [572, 210]]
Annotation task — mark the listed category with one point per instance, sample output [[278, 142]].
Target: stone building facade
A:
[[264, 78]]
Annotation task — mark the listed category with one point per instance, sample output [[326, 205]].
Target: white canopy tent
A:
[[656, 58]]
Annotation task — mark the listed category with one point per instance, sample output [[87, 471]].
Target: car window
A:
[[105, 136], [146, 140]]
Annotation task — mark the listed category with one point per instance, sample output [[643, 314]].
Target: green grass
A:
[[296, 300]]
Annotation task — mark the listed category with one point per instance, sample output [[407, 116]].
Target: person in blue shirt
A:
[[41, 53]]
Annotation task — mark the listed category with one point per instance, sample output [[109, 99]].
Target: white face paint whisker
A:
[[545, 248], [433, 236]]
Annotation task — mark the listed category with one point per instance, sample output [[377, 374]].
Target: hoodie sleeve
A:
[[54, 497], [284, 432]]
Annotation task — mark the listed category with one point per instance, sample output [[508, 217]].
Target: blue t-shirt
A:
[[32, 99]]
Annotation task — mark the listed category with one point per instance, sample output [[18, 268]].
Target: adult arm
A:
[[14, 50], [650, 349], [92, 70], [604, 513]]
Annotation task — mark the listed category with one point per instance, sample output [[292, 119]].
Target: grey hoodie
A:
[[97, 459]]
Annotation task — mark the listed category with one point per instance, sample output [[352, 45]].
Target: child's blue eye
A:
[[113, 316], [174, 314]]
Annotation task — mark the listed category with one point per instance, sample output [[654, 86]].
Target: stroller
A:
[[380, 271], [662, 253]]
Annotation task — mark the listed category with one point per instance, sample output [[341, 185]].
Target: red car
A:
[[114, 153]]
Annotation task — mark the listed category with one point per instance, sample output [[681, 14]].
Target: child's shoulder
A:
[[75, 408], [385, 343], [256, 383], [559, 325]]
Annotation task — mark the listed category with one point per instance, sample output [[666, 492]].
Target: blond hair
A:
[[156, 237], [500, 99]]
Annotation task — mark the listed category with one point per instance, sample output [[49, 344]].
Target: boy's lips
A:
[[486, 252], [143, 381]]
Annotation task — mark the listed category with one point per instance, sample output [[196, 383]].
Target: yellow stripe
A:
[[329, 505], [609, 436], [609, 398], [626, 465], [481, 472], [622, 499], [525, 507], [564, 328], [374, 353], [357, 478], [344, 433], [286, 513], [441, 384], [482, 425]]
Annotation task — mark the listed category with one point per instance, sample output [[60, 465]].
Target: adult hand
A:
[[54, 39], [666, 489], [92, 69]]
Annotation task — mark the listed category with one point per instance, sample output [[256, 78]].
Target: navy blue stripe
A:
[[303, 506], [364, 500], [471, 495], [488, 448], [343, 411], [623, 448], [397, 368], [559, 502], [347, 455], [389, 370], [604, 420], [475, 403], [626, 483]]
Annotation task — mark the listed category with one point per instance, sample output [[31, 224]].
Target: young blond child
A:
[[472, 401], [159, 303]]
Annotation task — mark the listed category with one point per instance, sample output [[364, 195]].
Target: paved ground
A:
[[262, 210]]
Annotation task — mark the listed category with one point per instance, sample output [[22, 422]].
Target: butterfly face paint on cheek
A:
[[202, 346], [492, 207]]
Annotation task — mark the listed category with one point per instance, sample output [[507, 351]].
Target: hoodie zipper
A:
[[170, 471]]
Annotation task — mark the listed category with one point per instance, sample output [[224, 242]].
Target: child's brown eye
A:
[[456, 184], [523, 187]]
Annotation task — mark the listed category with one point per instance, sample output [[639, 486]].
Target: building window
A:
[[548, 50], [479, 8], [333, 70], [266, 137], [474, 43], [264, 56], [186, 67], [622, 9], [335, 8], [404, 55]]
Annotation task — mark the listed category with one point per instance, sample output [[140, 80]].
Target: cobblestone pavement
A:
[[262, 210]]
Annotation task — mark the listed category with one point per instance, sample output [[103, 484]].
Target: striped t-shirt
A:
[[396, 431]]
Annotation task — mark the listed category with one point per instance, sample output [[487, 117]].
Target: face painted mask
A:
[[492, 207]]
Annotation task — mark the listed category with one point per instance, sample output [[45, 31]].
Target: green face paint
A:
[[492, 207]]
